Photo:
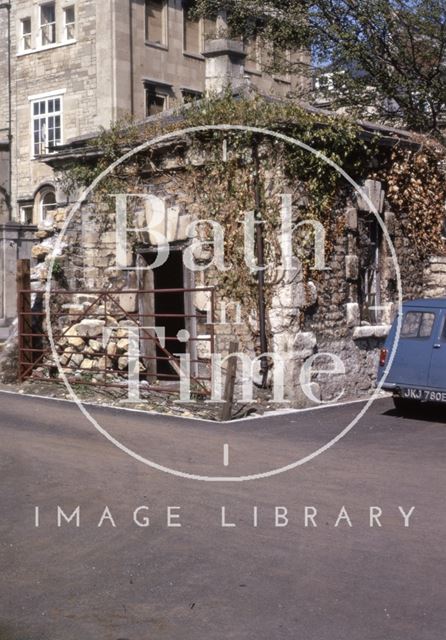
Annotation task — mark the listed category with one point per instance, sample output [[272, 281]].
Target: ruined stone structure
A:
[[343, 309]]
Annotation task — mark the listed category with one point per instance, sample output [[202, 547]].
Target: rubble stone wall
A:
[[305, 318]]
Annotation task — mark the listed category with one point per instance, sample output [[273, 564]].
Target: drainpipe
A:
[[260, 250], [132, 80], [7, 6]]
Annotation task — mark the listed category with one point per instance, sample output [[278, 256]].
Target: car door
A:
[[437, 371], [411, 365]]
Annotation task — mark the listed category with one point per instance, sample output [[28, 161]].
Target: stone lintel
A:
[[371, 331]]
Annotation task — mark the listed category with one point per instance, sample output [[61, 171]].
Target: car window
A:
[[417, 324], [426, 325]]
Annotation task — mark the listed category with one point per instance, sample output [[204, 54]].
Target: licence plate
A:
[[424, 395]]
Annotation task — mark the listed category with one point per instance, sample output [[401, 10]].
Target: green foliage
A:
[[225, 191], [384, 54], [105, 149], [416, 190]]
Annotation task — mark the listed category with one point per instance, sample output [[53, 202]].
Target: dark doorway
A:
[[170, 276]]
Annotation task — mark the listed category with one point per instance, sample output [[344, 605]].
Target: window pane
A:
[[156, 102], [69, 34], [411, 325], [47, 23], [26, 26], [47, 203], [26, 34], [192, 36], [69, 15], [48, 13], [191, 96], [46, 122], [155, 21], [417, 325], [69, 23], [48, 34], [427, 324]]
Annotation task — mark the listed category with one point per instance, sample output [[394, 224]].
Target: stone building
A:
[[69, 67], [78, 65], [342, 308]]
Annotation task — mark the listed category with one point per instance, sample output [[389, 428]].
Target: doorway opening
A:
[[169, 308]]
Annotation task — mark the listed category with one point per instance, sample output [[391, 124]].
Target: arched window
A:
[[45, 204]]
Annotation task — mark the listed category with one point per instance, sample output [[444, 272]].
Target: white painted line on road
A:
[[226, 455], [267, 414]]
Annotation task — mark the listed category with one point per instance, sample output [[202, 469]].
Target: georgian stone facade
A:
[[106, 64], [78, 65]]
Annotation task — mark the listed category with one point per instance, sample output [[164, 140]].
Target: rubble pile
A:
[[90, 340]]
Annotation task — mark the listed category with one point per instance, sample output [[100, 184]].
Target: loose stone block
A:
[[95, 346], [123, 345], [89, 328], [351, 219], [123, 363], [352, 313], [76, 342], [128, 301], [87, 364]]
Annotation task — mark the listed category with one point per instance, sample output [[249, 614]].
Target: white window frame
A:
[[42, 209], [26, 213], [24, 35], [46, 97], [66, 24], [52, 25]]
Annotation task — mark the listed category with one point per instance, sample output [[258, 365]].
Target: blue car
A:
[[418, 371]]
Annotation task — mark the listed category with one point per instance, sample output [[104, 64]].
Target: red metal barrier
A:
[[37, 360]]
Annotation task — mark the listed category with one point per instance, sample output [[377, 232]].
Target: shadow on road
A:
[[419, 411]]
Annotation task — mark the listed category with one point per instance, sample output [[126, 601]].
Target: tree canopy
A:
[[384, 58]]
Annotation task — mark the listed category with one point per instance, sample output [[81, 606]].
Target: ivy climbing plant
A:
[[226, 185]]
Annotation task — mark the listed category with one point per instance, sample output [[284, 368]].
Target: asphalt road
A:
[[205, 581]]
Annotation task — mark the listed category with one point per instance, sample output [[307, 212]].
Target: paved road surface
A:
[[202, 581]]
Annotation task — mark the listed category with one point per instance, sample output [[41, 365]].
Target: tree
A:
[[385, 55]]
